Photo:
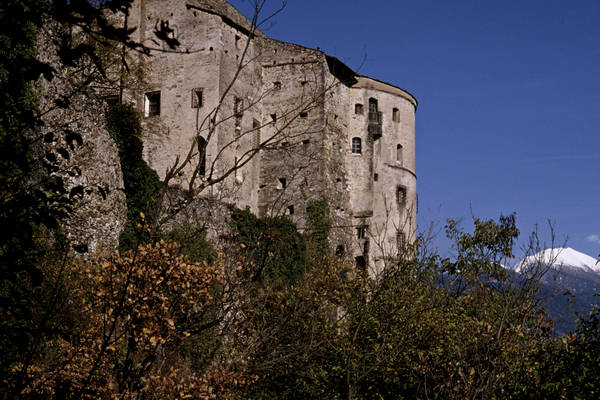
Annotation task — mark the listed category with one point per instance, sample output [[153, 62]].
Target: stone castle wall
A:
[[300, 107]]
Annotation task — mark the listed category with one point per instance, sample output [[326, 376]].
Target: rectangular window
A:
[[356, 145], [256, 128], [361, 232], [396, 115], [152, 104], [401, 196], [197, 99], [400, 240], [238, 107], [358, 109]]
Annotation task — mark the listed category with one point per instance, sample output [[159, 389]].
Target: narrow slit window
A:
[[399, 154], [396, 115], [356, 145], [152, 104], [274, 117], [238, 107], [202, 156], [401, 196], [290, 210], [197, 99], [256, 127], [361, 232], [400, 240]]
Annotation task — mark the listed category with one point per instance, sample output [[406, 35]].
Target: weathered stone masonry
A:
[[325, 131]]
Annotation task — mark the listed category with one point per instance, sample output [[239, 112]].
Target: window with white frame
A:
[[356, 145]]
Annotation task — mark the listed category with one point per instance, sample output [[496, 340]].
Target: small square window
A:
[[358, 109], [303, 115], [277, 85], [152, 104], [281, 183], [290, 210], [197, 98]]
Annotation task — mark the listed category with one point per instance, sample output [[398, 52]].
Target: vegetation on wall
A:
[[276, 248], [142, 185]]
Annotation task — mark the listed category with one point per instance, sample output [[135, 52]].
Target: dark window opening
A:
[[277, 85], [281, 183], [339, 251], [396, 115], [400, 240], [356, 145], [197, 99], [284, 144], [274, 117], [366, 247], [401, 196], [361, 263], [152, 104], [358, 109], [237, 40], [290, 210], [375, 177], [306, 142], [238, 107], [303, 83], [303, 114], [256, 128], [361, 232], [202, 155]]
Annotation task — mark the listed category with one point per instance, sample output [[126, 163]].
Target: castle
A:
[[272, 126]]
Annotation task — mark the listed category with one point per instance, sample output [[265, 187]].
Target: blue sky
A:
[[509, 100]]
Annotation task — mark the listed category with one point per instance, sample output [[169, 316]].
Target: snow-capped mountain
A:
[[569, 271], [560, 258]]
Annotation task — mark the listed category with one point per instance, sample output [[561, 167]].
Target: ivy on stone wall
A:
[[142, 185], [319, 223], [276, 248]]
